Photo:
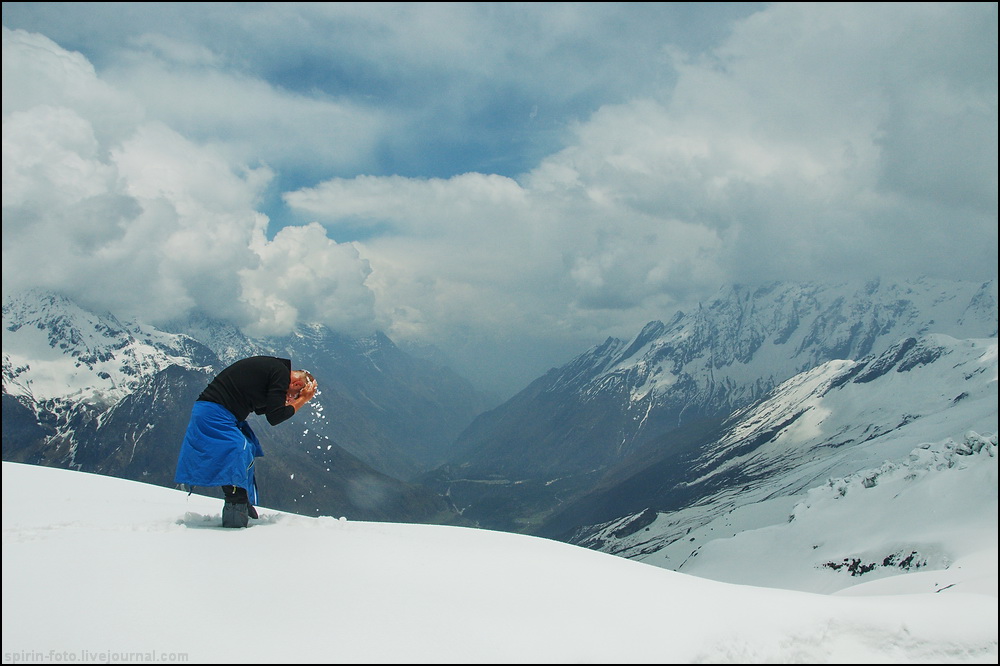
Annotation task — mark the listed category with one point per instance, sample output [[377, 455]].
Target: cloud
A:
[[137, 219], [662, 151], [255, 121], [38, 73], [804, 147], [304, 276]]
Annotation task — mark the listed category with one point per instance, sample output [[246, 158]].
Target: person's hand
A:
[[309, 390], [298, 398]]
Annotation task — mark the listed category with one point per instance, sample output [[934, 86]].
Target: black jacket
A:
[[257, 384]]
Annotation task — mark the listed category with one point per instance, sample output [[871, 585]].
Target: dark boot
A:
[[235, 514]]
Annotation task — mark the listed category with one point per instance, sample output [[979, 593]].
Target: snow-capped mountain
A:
[[227, 342], [846, 424], [624, 405], [94, 393], [57, 352]]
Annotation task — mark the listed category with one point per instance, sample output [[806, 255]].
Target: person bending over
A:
[[219, 446]]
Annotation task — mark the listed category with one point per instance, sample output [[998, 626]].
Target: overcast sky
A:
[[511, 182]]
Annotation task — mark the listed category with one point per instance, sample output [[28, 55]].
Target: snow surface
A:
[[928, 512], [894, 464], [98, 569]]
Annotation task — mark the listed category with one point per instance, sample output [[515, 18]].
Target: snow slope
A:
[[98, 569]]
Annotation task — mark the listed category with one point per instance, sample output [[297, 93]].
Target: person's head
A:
[[302, 375], [298, 380]]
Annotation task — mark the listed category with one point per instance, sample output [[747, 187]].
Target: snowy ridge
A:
[[224, 339], [827, 423], [823, 416], [55, 350], [749, 340]]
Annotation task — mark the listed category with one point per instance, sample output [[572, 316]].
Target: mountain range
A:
[[624, 429], [635, 447], [90, 392]]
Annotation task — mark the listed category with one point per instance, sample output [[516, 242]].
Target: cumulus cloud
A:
[[304, 276], [812, 144], [137, 219]]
